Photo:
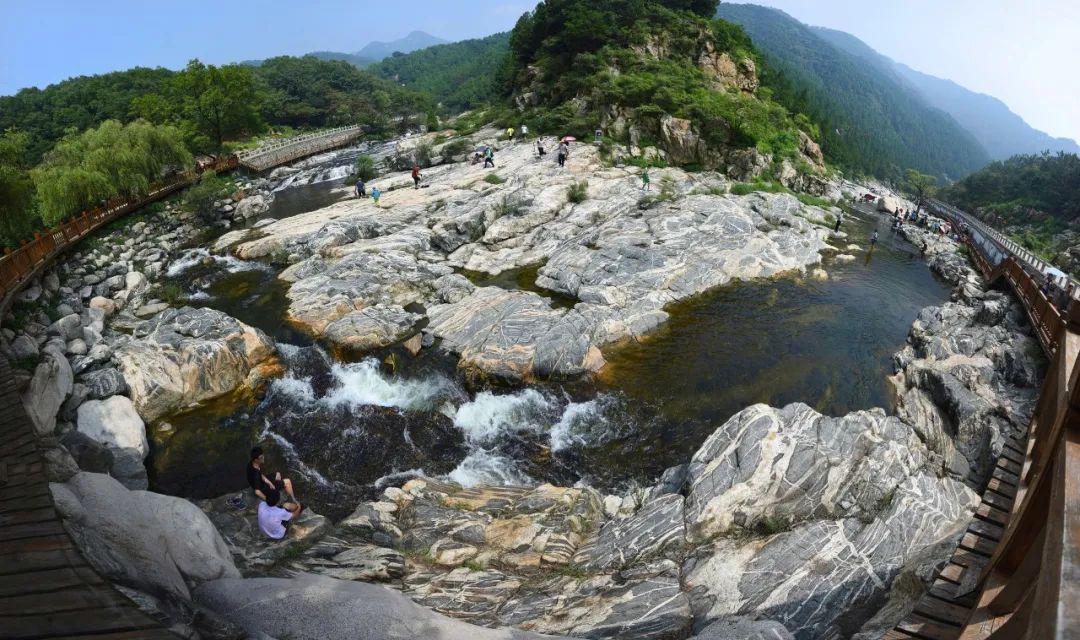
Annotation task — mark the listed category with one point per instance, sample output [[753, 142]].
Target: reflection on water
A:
[[522, 278], [345, 429], [828, 344]]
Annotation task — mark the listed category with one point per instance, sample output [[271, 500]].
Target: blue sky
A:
[[1021, 52]]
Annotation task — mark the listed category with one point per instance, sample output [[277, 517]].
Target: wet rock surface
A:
[[621, 253]]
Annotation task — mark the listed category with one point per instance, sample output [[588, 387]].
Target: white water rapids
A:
[[484, 420]]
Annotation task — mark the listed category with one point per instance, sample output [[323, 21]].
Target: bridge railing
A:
[[282, 151], [1031, 587], [17, 266]]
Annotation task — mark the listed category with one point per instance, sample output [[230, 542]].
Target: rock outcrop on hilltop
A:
[[364, 276]]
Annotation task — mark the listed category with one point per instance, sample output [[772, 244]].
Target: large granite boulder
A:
[[154, 543], [182, 357], [114, 423], [53, 380], [309, 607], [767, 468]]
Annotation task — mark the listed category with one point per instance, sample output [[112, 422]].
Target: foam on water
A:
[[489, 415], [484, 467], [363, 383], [193, 257], [578, 421], [296, 389], [396, 476]]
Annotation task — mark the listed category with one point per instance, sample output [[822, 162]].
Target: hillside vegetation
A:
[[871, 123], [459, 76], [631, 67], [1035, 198]]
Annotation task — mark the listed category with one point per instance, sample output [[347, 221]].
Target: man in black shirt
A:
[[263, 485]]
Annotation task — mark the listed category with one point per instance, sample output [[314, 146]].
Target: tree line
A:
[[73, 144]]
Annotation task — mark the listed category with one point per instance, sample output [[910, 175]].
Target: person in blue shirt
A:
[[360, 189], [375, 193]]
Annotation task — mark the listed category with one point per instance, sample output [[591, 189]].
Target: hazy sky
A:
[[1024, 53]]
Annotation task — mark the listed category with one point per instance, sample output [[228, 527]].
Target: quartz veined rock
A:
[[623, 259], [185, 356]]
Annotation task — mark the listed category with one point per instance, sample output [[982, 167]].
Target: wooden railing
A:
[[286, 150], [1031, 586], [20, 265]]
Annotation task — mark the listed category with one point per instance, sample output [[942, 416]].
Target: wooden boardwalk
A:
[[47, 590]]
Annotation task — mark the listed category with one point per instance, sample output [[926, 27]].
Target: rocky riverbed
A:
[[783, 523]]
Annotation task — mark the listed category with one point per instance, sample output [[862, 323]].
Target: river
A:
[[343, 430]]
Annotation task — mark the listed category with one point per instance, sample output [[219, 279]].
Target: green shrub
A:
[[454, 148], [578, 192], [493, 178], [509, 206], [813, 201], [404, 160], [169, 293], [201, 196], [365, 168]]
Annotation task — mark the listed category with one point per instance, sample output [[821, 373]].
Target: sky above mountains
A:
[[1022, 53]]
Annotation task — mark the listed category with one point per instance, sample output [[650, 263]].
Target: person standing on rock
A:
[[416, 176], [361, 189], [489, 158], [375, 193], [510, 134], [646, 180], [524, 130], [540, 152], [274, 520], [564, 151], [873, 239], [839, 221], [260, 483]]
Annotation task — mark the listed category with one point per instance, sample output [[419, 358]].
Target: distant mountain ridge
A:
[[377, 50], [1000, 131], [872, 122]]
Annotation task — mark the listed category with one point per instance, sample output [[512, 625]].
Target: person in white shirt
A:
[[274, 520]]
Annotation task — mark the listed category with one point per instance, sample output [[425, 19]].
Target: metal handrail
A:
[[281, 144]]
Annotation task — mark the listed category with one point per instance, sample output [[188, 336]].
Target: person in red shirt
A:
[[416, 175]]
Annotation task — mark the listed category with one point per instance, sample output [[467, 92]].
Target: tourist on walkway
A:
[[645, 180], [564, 152], [361, 189], [416, 176], [258, 480], [375, 193], [274, 520], [839, 221], [489, 158]]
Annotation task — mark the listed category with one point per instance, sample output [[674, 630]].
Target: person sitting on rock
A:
[[260, 483], [274, 520]]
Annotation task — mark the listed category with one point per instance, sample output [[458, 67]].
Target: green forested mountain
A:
[[1000, 131], [1035, 198], [872, 122], [1023, 187], [573, 63], [297, 92], [45, 114], [459, 76]]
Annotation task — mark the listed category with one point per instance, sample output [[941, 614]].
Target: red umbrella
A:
[[569, 139]]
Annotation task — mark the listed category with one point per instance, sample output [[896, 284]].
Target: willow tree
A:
[[921, 185], [17, 216], [110, 160]]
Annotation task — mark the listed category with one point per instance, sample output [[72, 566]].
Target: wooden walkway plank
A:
[[47, 590]]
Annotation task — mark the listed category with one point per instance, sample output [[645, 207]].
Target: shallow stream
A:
[[343, 430]]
